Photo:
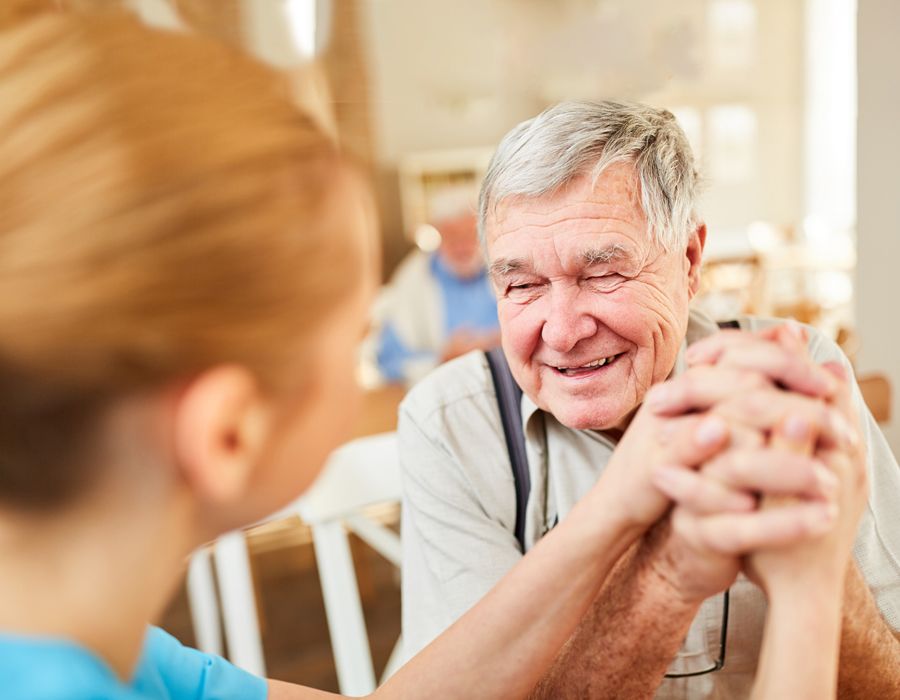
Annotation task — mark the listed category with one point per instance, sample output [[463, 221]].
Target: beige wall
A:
[[462, 73], [878, 195]]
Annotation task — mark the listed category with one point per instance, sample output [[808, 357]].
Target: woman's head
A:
[[172, 230]]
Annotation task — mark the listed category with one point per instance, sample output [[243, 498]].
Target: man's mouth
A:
[[592, 367]]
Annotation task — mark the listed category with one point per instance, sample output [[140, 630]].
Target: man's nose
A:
[[568, 320]]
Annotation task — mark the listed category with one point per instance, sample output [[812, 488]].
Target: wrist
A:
[[602, 530], [612, 495], [815, 583], [658, 575], [807, 593], [638, 506]]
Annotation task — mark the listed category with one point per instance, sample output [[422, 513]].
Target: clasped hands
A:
[[760, 451]]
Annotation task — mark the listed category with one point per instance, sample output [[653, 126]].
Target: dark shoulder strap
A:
[[728, 324], [509, 400]]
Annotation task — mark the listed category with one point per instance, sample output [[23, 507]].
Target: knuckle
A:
[[682, 524], [747, 439], [797, 365], [755, 381], [718, 466], [700, 372], [726, 541], [829, 419], [710, 494], [733, 466], [783, 362], [756, 403], [861, 477], [685, 390], [806, 470], [727, 356], [703, 538], [739, 539]]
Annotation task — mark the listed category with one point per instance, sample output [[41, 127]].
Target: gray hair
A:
[[541, 155]]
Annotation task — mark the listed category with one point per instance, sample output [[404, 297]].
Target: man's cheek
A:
[[643, 312], [518, 322], [627, 318]]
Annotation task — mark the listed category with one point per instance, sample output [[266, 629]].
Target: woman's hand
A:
[[822, 561], [753, 382], [703, 518], [821, 424], [805, 583]]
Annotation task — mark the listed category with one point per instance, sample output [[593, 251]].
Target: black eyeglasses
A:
[[723, 636]]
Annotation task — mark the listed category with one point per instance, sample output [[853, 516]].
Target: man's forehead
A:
[[574, 214], [618, 186], [588, 234], [577, 257], [567, 214]]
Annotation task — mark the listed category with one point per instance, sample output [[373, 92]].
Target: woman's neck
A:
[[96, 574]]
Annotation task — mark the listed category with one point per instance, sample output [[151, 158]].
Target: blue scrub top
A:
[[37, 668]]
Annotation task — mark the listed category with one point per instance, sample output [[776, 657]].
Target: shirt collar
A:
[[440, 270]]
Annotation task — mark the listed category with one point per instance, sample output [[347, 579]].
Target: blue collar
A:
[[443, 273]]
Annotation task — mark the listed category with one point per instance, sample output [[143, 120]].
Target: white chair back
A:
[[359, 474]]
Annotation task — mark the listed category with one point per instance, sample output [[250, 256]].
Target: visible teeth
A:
[[590, 365], [596, 363]]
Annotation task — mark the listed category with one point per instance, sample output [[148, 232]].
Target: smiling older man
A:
[[594, 245]]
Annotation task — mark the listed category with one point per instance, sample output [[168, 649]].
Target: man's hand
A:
[[653, 441]]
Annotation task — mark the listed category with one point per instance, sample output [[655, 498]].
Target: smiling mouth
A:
[[589, 368]]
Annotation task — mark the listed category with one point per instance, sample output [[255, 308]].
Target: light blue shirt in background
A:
[[468, 304]]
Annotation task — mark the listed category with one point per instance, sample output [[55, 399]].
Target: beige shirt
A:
[[459, 513]]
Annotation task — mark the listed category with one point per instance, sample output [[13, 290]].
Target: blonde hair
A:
[[163, 208]]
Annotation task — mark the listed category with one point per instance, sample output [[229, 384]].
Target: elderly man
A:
[[594, 247]]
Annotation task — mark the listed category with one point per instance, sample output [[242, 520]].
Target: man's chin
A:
[[591, 418]]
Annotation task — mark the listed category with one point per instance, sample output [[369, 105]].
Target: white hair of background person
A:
[[573, 138], [451, 202]]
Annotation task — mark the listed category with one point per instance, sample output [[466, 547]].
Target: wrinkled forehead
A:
[[583, 220]]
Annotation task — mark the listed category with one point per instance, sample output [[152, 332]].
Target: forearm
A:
[[501, 647], [799, 657], [279, 690], [870, 651], [625, 643]]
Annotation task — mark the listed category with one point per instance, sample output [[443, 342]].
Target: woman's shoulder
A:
[[46, 668]]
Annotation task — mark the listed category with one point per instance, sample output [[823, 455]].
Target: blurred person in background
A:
[[185, 267], [438, 305]]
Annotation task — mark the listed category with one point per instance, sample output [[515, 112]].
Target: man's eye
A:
[[523, 291], [605, 280]]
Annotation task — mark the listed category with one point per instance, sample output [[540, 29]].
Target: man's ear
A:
[[220, 430], [694, 255]]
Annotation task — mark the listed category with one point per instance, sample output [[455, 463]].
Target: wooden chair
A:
[[358, 475], [876, 390]]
